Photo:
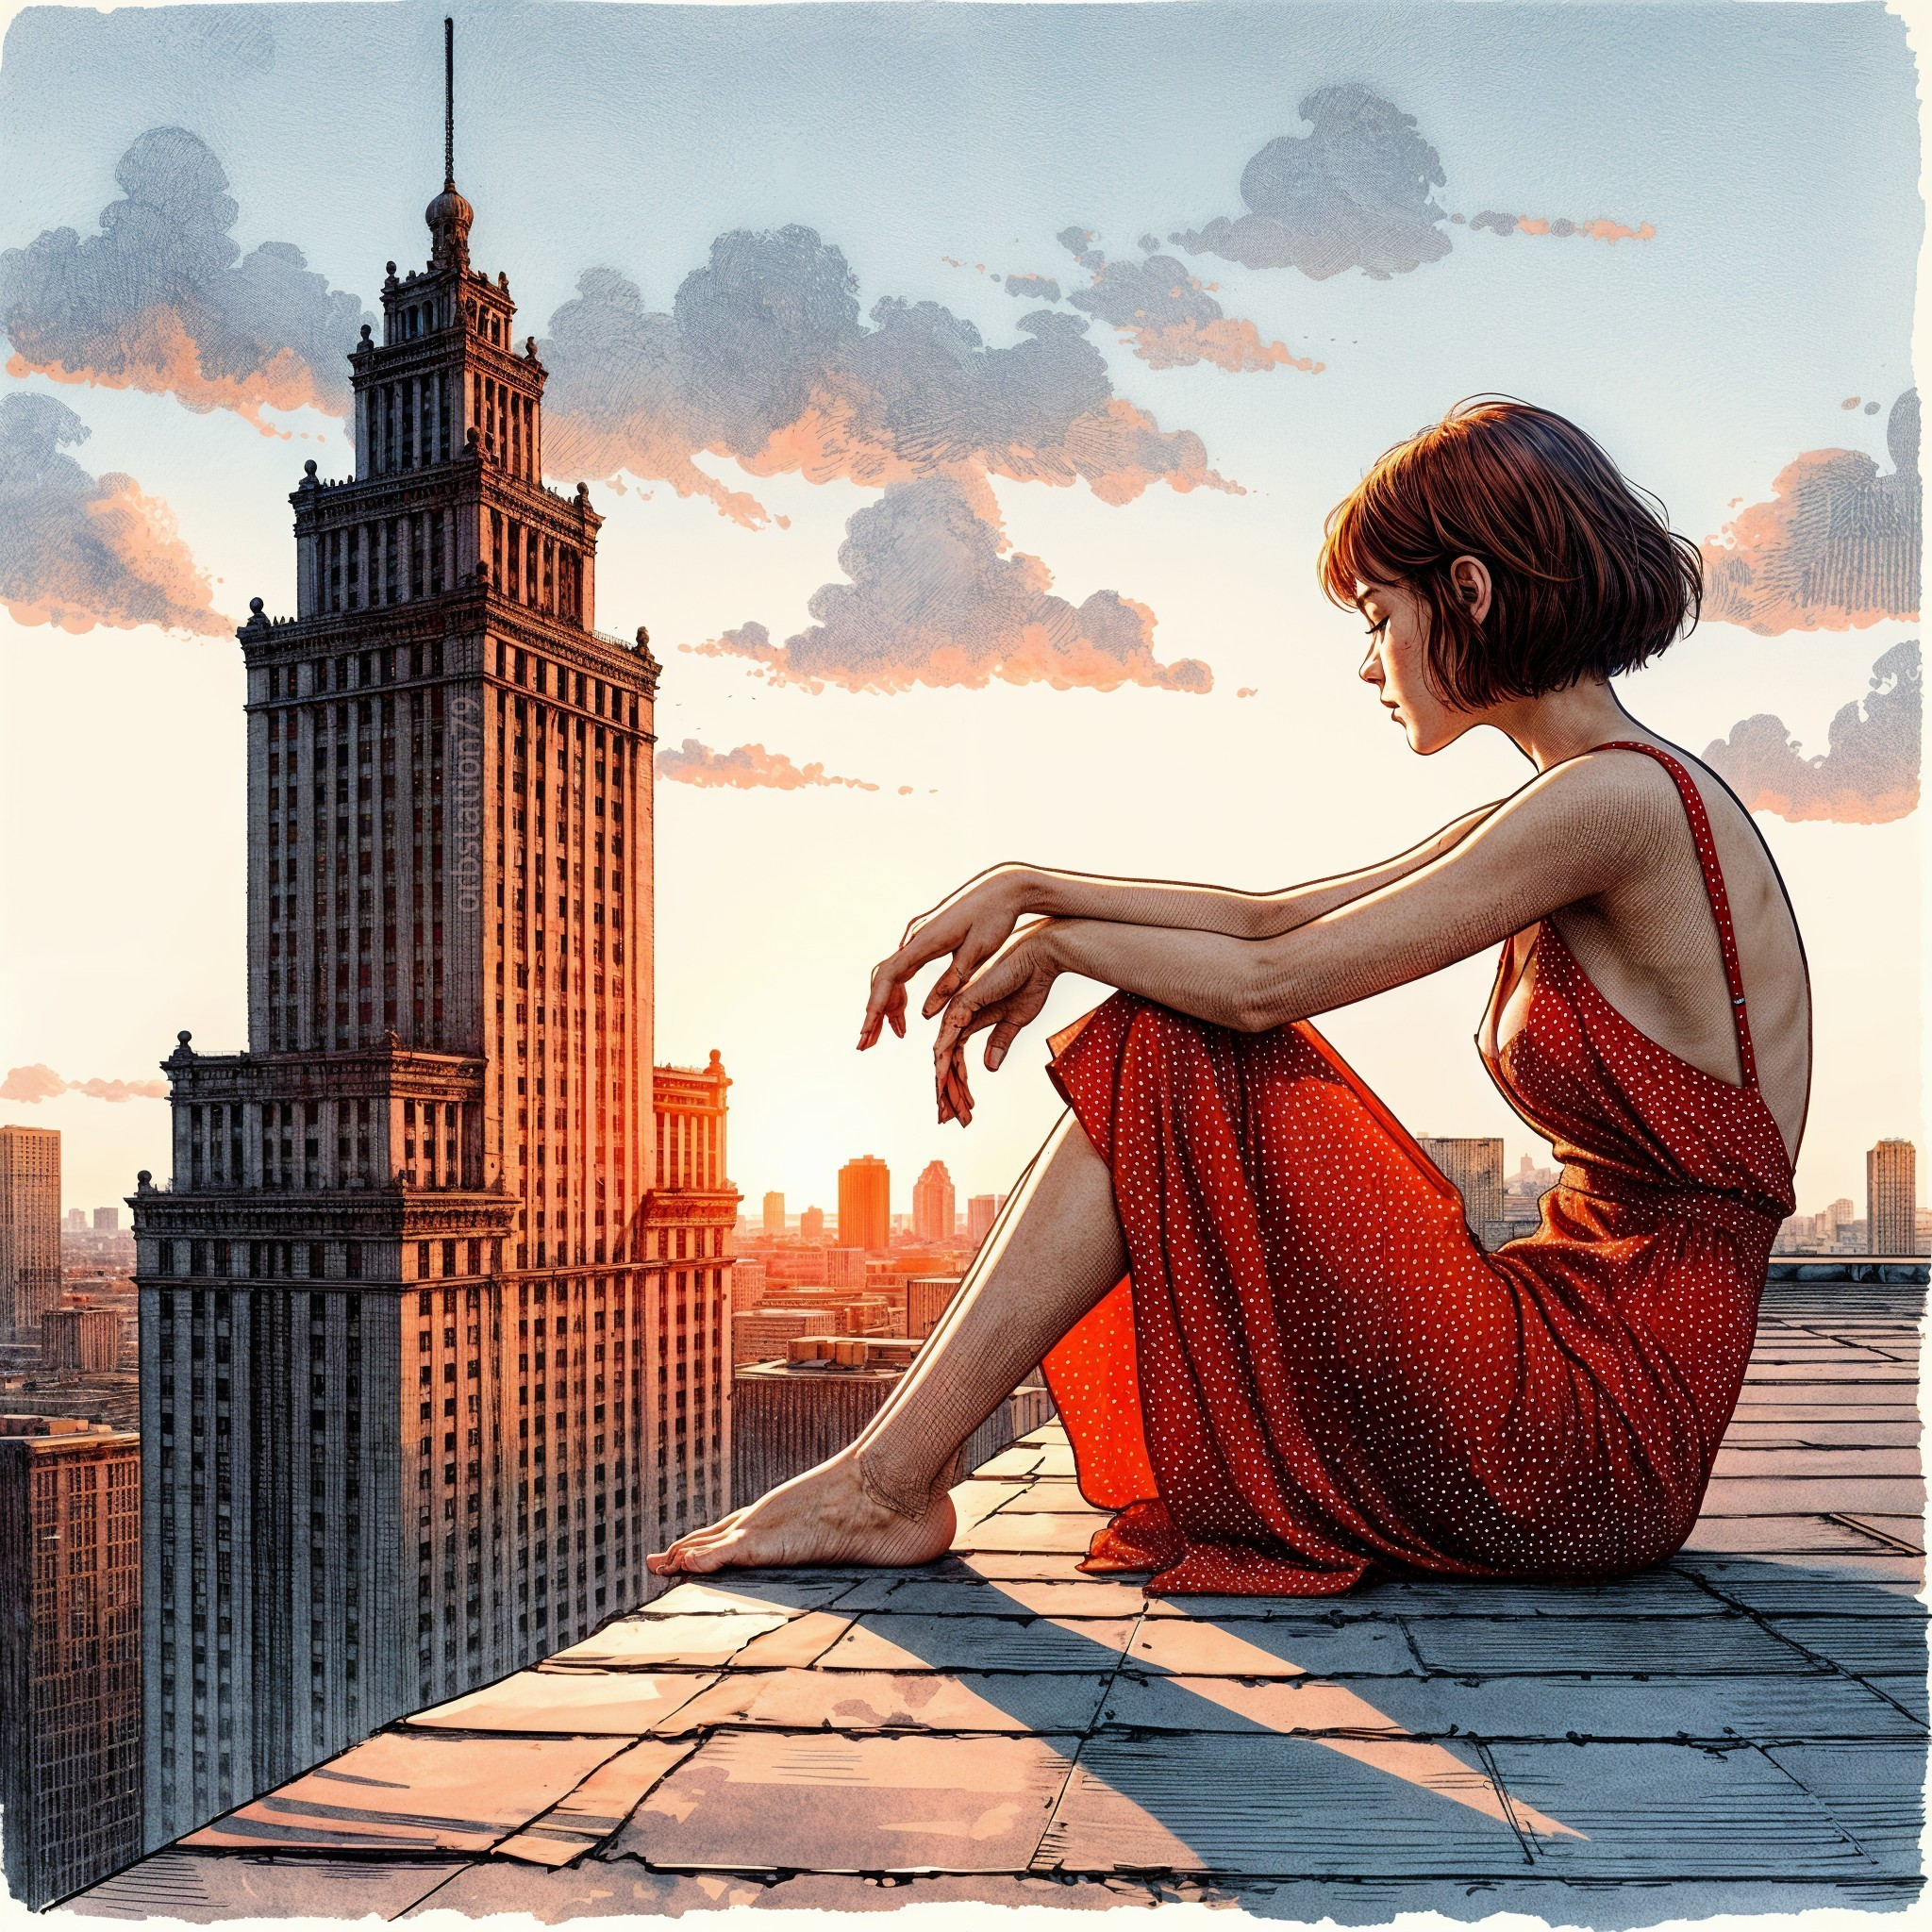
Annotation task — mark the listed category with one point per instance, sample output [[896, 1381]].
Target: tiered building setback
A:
[[434, 1314]]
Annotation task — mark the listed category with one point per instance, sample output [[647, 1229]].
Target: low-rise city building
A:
[[70, 1652]]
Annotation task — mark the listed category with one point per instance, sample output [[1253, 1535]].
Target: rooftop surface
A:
[[1743, 1729]]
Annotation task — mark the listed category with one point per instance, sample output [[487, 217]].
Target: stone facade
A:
[[415, 1396], [70, 1652], [29, 1229]]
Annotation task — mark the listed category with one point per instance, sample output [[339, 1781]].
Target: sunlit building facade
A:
[[933, 1204], [1890, 1198], [29, 1229], [865, 1205], [70, 1652]]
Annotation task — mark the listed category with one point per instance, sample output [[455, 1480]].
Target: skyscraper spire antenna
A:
[[449, 102], [449, 215]]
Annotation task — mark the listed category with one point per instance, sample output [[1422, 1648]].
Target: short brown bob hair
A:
[[1588, 578]]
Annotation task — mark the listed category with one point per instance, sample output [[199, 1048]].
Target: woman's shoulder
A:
[[1621, 789]]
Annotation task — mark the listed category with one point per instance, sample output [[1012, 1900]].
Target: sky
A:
[[1032, 566]]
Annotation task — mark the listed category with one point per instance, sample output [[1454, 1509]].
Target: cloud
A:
[[1837, 547], [1869, 776], [38, 1083], [162, 299], [1033, 287], [763, 358], [748, 768], [78, 550], [1170, 318], [1601, 229], [932, 600], [1353, 192]]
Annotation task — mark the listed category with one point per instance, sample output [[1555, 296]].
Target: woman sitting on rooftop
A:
[[1278, 1352]]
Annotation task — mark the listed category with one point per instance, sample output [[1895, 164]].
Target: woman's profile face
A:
[[1396, 665]]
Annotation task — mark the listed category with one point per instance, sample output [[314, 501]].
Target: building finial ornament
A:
[[449, 215]]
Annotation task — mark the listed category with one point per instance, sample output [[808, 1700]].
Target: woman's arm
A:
[[1571, 834], [973, 923], [1220, 909]]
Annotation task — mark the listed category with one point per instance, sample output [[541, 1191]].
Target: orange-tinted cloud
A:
[[162, 299], [763, 358], [1599, 230], [77, 550], [1169, 315], [932, 599], [749, 768], [1837, 547], [39, 1082], [1869, 776]]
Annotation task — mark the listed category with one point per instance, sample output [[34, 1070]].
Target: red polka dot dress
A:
[[1313, 1373]]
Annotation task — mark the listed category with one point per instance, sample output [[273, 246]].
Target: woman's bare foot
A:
[[824, 1516]]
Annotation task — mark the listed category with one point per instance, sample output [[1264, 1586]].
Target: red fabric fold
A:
[[1313, 1373]]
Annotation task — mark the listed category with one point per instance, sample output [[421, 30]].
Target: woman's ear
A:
[[1470, 576]]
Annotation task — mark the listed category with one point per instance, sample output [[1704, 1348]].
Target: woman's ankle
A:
[[904, 1495]]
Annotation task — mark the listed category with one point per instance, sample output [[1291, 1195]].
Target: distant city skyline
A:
[[823, 1193]]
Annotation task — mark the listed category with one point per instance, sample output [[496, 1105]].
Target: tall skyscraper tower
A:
[[29, 1229], [932, 1203], [409, 1405], [865, 1205], [1891, 1188], [774, 1214]]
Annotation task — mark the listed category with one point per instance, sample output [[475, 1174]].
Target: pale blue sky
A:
[[1774, 148]]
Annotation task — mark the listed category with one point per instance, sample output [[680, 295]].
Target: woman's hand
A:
[[972, 924], [1007, 994]]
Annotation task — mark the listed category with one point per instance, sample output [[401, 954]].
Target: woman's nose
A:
[[1370, 668]]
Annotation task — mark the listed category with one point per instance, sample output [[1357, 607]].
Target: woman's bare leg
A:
[[1055, 1251]]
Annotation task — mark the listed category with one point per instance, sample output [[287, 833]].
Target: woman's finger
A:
[[877, 994], [954, 1023], [886, 997], [949, 1082], [997, 1042], [945, 986]]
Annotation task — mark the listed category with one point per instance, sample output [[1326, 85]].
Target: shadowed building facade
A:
[[1474, 1163], [421, 1345]]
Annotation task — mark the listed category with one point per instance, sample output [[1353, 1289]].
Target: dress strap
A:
[[1713, 886]]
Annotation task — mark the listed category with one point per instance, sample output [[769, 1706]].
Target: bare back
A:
[[1650, 944]]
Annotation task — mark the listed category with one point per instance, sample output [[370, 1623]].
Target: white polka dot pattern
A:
[[1315, 1374]]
